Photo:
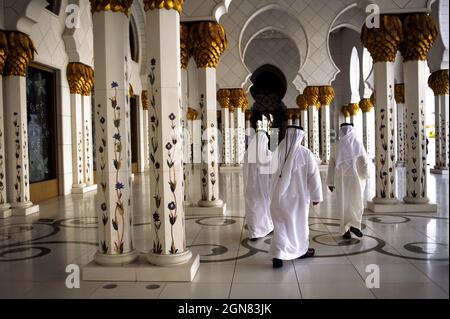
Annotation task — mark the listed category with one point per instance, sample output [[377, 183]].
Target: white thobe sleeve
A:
[[314, 181], [362, 165]]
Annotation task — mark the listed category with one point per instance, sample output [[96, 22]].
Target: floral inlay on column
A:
[[154, 146], [103, 206], [173, 205]]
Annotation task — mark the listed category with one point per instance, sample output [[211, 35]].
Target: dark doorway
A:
[[42, 143], [268, 90]]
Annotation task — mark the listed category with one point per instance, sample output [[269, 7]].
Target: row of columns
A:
[[234, 105], [413, 35], [16, 53], [316, 99], [81, 81]]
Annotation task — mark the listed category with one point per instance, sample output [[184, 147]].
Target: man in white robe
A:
[[295, 185], [257, 186], [348, 173]]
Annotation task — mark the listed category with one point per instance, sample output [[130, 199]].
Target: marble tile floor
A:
[[411, 251]]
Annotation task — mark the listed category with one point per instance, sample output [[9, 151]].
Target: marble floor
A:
[[411, 251]]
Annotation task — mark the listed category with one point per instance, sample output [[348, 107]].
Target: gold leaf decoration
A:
[[208, 42], [21, 52], [326, 95], [383, 42], [191, 114], [365, 105], [238, 99], [400, 93], [345, 111], [438, 82], [111, 5], [164, 4], [80, 78], [373, 99], [301, 102], [311, 93], [223, 96], [353, 109], [3, 50], [420, 32], [184, 45]]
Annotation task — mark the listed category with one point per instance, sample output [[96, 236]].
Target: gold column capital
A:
[[383, 42], [80, 78], [365, 105], [373, 98], [345, 111], [290, 113], [353, 109], [399, 93], [301, 102], [311, 93], [223, 96], [438, 82], [238, 99], [21, 52], [164, 4], [144, 100], [420, 32], [191, 114], [208, 41], [123, 6], [3, 50], [326, 94], [184, 45]]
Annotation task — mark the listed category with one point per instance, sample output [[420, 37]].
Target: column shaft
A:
[[226, 155], [384, 123], [313, 129], [304, 125], [208, 104], [115, 231], [416, 152], [5, 210], [325, 145]]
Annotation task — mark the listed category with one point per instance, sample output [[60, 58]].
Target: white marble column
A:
[[439, 82], [210, 165], [383, 44], [223, 97], [401, 123], [113, 154], [184, 61], [167, 189], [16, 124], [5, 207], [311, 94], [366, 107], [356, 119], [303, 106], [145, 106], [76, 103], [240, 135], [326, 96], [232, 135], [415, 70], [88, 142]]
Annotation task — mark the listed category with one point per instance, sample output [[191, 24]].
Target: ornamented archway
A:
[[268, 90]]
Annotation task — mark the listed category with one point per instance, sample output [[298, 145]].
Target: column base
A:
[[400, 164], [24, 209], [439, 171], [169, 260], [323, 167], [140, 270], [5, 211], [230, 168], [115, 260], [401, 208], [211, 203], [84, 189], [205, 211]]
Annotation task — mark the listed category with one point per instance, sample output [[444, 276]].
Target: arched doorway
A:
[[268, 90]]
